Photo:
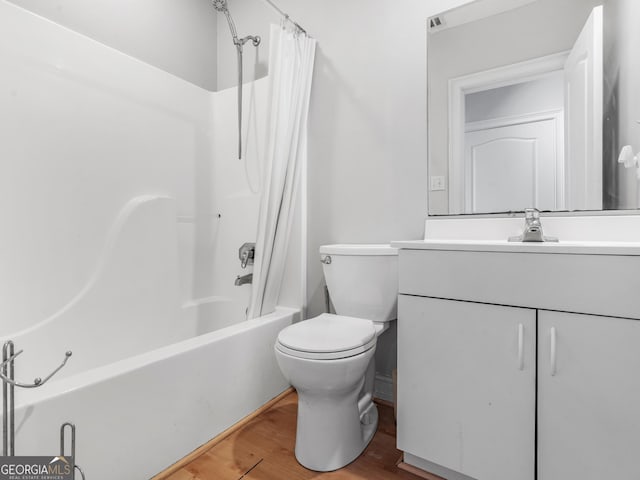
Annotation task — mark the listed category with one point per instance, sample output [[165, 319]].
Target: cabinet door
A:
[[466, 386], [589, 397]]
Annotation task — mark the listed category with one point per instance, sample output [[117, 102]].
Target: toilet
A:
[[329, 359]]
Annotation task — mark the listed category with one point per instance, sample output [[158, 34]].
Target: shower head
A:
[[220, 5]]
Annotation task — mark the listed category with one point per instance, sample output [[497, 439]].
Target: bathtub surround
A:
[[86, 130], [124, 206], [291, 59]]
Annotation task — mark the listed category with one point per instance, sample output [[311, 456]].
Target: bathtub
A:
[[136, 416]]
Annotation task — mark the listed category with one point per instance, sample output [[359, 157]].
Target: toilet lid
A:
[[328, 336]]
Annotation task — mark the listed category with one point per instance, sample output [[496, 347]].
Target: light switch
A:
[[436, 183]]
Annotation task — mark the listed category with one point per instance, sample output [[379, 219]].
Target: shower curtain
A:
[[291, 59]]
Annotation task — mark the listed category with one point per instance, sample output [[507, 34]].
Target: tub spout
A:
[[241, 280]]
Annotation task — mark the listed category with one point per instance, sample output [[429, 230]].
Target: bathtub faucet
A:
[[241, 280]]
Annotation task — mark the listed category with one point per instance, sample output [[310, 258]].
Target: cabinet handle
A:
[[553, 356], [521, 347]]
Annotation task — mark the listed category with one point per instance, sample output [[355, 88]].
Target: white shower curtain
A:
[[291, 58]]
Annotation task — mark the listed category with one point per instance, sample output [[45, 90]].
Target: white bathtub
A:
[[138, 415]]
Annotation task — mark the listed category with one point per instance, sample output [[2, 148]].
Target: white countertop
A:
[[576, 248]]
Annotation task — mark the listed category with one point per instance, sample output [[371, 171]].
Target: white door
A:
[[588, 397], [583, 117], [512, 167], [466, 386]]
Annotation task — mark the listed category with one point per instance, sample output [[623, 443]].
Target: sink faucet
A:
[[241, 280], [532, 228]]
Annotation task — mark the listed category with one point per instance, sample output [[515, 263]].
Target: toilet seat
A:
[[327, 337]]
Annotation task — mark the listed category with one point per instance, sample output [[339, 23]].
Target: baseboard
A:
[[383, 388], [428, 470], [418, 472]]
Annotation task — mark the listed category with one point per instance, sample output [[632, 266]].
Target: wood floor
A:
[[263, 450]]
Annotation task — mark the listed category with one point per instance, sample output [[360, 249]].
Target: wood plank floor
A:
[[263, 450]]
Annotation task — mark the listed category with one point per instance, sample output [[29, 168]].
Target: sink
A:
[[566, 247]]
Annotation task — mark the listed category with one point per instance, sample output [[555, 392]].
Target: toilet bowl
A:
[[329, 358]]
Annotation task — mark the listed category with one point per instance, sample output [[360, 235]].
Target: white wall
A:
[[540, 95], [176, 36]]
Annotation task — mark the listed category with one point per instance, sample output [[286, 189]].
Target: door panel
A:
[[583, 117], [525, 153], [589, 398], [466, 391]]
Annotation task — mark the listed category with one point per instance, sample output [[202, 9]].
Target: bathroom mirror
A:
[[534, 103]]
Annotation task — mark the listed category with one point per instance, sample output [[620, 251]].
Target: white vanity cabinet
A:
[[497, 381], [588, 397], [467, 386]]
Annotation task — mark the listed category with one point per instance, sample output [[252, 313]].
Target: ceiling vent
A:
[[436, 23]]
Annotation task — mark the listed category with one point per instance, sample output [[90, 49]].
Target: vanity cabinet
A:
[[588, 397], [514, 387], [467, 386]]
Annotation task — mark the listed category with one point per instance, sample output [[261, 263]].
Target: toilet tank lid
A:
[[358, 249]]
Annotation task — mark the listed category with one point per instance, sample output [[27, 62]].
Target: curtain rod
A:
[[285, 15]]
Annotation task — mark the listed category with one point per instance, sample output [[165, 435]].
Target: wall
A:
[[622, 70], [540, 95], [468, 49], [176, 36]]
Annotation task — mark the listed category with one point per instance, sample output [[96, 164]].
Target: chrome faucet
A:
[[532, 228], [246, 254], [241, 280]]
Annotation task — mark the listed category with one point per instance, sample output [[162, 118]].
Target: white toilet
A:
[[329, 358]]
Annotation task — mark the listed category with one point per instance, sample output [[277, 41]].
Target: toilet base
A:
[[332, 432]]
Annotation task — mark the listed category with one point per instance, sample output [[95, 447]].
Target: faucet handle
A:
[[531, 215], [246, 254]]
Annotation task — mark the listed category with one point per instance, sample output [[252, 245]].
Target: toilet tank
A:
[[362, 280]]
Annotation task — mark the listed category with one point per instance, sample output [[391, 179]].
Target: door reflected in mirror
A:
[[524, 106]]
